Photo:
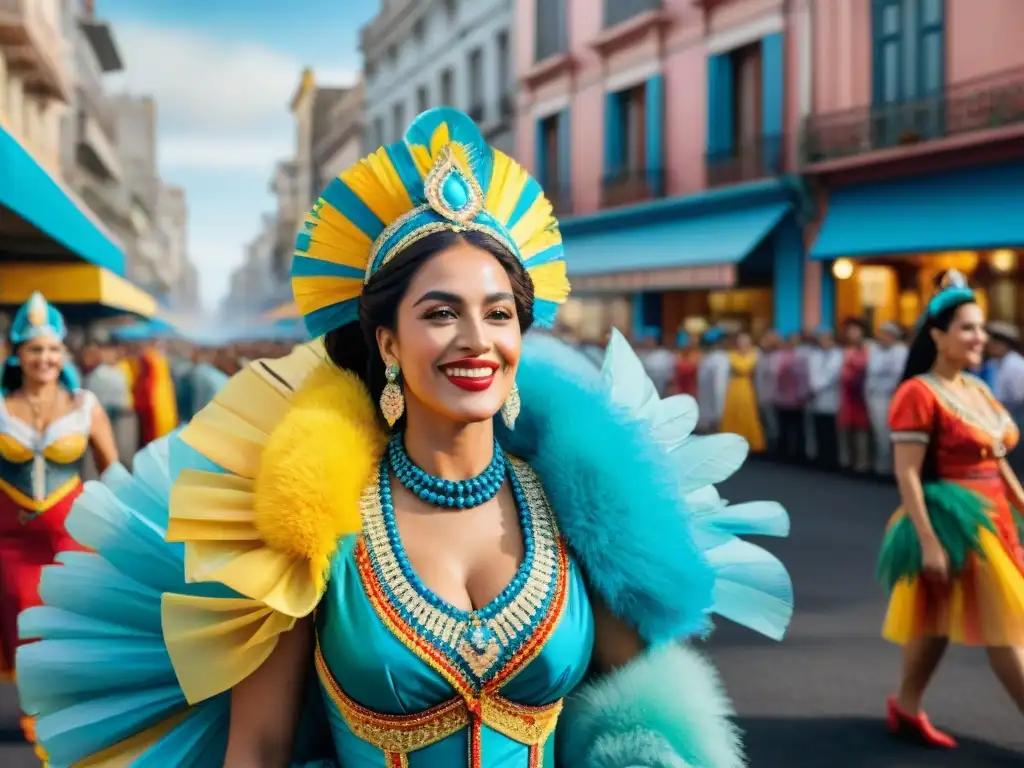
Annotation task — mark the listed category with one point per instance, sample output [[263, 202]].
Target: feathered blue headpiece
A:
[[953, 290], [34, 319], [443, 176], [37, 317]]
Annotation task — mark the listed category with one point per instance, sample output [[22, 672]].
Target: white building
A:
[[339, 144], [420, 54], [90, 161], [172, 221]]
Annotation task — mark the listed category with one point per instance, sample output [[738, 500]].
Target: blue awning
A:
[[28, 190], [969, 209], [724, 237]]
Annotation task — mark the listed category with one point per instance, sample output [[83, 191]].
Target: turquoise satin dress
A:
[[397, 670]]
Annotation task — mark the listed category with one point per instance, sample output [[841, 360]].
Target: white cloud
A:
[[203, 82], [211, 152]]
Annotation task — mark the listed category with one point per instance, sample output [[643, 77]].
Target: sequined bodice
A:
[[36, 466], [390, 648]]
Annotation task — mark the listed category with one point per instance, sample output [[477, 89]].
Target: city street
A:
[[817, 699]]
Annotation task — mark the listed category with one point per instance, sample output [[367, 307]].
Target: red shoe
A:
[[916, 727]]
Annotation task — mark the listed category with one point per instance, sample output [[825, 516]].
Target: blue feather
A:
[[461, 130], [666, 708], [613, 491], [634, 492]]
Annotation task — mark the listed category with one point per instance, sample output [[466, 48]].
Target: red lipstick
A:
[[472, 374]]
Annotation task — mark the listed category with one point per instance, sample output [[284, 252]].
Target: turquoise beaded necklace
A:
[[448, 494]]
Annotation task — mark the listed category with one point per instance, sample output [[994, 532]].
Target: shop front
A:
[[732, 257], [882, 245], [51, 243]]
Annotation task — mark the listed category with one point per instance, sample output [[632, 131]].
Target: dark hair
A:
[[353, 347], [13, 376], [922, 352]]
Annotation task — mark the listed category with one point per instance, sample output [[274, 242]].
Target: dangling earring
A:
[[392, 401], [510, 408]]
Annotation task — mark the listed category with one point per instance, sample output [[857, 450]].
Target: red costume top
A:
[[853, 406]]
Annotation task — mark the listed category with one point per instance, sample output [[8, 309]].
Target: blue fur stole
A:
[[613, 491]]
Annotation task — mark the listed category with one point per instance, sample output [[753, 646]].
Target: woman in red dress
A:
[[852, 420], [687, 362], [46, 425], [952, 556]]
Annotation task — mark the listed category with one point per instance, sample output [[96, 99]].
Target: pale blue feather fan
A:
[[752, 587]]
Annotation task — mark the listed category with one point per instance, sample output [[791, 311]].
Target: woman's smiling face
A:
[[457, 337], [42, 359]]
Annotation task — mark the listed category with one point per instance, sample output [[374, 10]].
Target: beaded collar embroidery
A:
[[477, 649], [448, 494]]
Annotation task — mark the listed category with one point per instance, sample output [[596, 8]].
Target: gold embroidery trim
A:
[[402, 734]]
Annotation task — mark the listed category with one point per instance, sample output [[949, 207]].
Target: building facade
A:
[[665, 134], [913, 141], [339, 145], [90, 158], [420, 54], [49, 239]]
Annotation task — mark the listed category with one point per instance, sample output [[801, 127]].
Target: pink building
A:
[[665, 133], [730, 159], [914, 145]]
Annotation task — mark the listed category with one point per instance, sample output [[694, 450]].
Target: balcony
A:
[[94, 149], [32, 45], [619, 11], [982, 106], [753, 159], [632, 185], [104, 198]]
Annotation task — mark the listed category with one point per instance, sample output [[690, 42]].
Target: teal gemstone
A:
[[455, 191]]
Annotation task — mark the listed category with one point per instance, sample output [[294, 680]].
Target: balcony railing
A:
[[96, 150], [32, 45], [632, 185], [757, 158], [618, 11], [94, 100], [552, 30], [993, 101]]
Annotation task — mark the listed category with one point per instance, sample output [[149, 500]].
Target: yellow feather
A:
[[307, 491], [540, 242], [508, 180], [313, 293], [372, 180], [438, 139], [550, 281], [335, 239], [421, 156], [538, 217]]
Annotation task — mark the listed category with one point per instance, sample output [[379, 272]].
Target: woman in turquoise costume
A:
[[421, 540]]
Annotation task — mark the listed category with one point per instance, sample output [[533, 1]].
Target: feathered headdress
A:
[[443, 176], [35, 318]]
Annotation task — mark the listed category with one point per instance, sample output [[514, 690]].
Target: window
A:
[[398, 120], [418, 31], [377, 139], [422, 99], [747, 96], [909, 70], [448, 88], [549, 154], [633, 118], [392, 55], [476, 84], [552, 37], [504, 62]]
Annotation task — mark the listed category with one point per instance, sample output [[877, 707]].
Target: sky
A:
[[223, 73]]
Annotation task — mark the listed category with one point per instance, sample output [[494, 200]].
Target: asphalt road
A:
[[816, 700]]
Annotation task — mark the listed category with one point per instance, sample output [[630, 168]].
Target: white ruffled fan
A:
[[752, 587]]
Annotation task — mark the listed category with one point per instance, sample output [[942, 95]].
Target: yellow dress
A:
[[741, 416]]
